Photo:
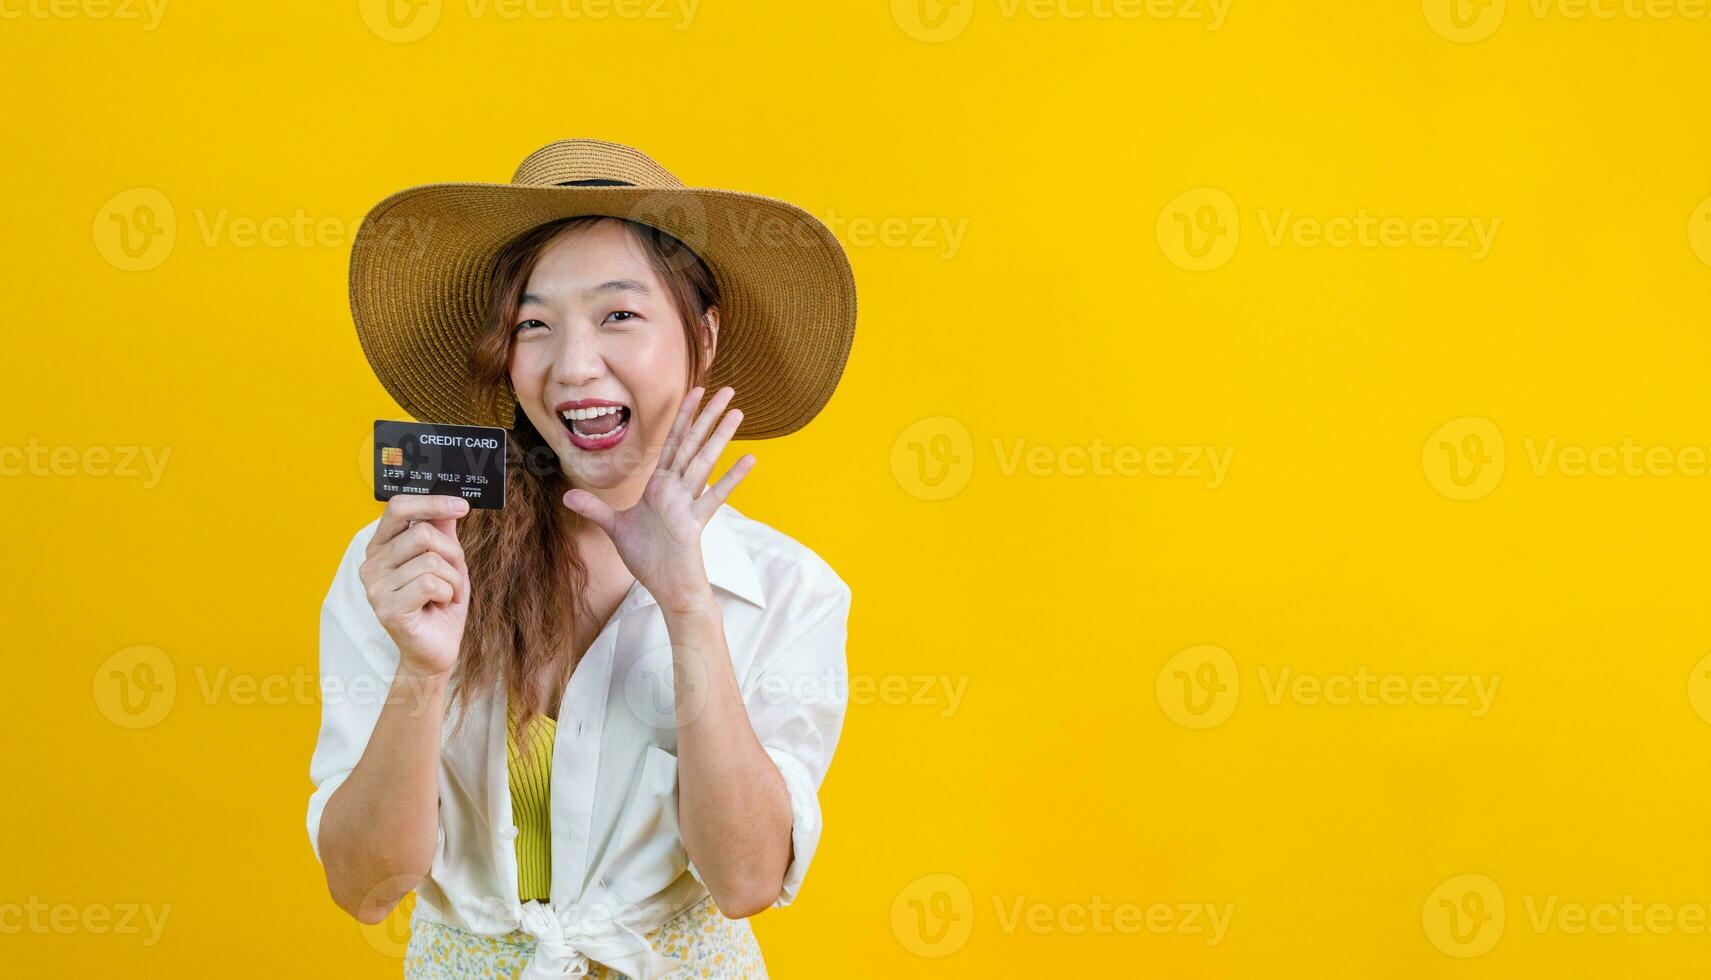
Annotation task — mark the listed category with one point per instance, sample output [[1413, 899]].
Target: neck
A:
[[623, 496]]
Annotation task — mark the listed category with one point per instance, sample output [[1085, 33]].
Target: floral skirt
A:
[[701, 938]]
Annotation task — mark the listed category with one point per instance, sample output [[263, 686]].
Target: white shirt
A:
[[619, 868]]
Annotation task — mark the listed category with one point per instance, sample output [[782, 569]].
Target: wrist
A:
[[417, 690], [421, 678], [700, 602]]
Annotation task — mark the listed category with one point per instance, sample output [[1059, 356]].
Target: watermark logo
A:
[[664, 689], [933, 916], [139, 686], [1463, 459], [136, 229], [932, 21], [1699, 688], [1464, 916], [404, 21], [936, 21], [400, 21], [685, 218], [135, 688], [1464, 21], [933, 458], [1467, 21], [1199, 229], [1699, 231], [390, 937], [1199, 687]]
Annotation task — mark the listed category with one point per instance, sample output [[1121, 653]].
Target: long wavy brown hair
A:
[[528, 584]]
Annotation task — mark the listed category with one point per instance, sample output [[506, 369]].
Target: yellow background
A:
[[1055, 597]]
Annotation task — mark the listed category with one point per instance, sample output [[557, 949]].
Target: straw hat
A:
[[422, 266]]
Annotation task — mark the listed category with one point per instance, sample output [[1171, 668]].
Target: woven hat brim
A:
[[421, 271]]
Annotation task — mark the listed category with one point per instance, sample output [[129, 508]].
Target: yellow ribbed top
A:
[[531, 803]]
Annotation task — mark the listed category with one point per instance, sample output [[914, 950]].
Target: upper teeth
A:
[[582, 414]]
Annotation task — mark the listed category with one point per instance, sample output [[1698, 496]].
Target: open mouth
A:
[[596, 426]]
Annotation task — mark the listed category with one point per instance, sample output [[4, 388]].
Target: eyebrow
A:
[[609, 286]]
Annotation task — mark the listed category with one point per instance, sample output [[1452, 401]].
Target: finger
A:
[[686, 450], [404, 509], [593, 508], [425, 564], [421, 591], [393, 606], [679, 425], [421, 539], [702, 463], [719, 492], [447, 526]]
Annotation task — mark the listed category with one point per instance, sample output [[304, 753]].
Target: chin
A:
[[604, 470]]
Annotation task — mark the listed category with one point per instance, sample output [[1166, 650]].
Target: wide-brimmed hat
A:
[[422, 267]]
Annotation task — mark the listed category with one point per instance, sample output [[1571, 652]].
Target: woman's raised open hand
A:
[[659, 538]]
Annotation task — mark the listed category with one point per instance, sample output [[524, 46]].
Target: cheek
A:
[[658, 375], [526, 378], [527, 383]]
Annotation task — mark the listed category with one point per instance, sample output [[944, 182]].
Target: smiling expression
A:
[[599, 359]]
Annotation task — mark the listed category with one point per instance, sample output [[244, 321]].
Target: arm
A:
[[380, 828], [748, 773], [374, 816], [733, 805], [733, 808]]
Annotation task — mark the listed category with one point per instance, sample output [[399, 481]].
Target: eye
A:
[[528, 324], [626, 314]]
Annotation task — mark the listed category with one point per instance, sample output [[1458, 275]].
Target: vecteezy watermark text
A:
[[36, 459], [96, 918], [148, 13]]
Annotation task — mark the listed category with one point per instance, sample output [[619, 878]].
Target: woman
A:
[[604, 725]]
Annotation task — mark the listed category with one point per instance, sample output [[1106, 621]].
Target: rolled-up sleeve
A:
[[796, 699], [358, 661]]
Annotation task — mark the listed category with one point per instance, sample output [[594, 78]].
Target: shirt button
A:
[[509, 833]]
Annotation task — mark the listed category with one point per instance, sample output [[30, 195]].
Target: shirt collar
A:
[[729, 567]]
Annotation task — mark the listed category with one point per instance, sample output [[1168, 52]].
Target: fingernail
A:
[[460, 506]]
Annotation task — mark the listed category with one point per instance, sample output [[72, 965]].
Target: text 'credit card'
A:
[[465, 461]]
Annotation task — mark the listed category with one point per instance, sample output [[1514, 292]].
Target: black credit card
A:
[[465, 461]]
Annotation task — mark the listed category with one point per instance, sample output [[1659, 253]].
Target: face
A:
[[599, 361]]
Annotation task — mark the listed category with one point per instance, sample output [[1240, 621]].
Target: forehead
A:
[[572, 265]]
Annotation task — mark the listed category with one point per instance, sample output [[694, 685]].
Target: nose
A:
[[578, 359]]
